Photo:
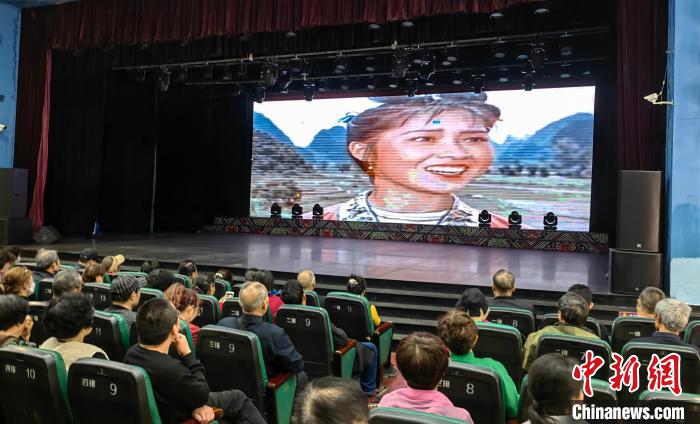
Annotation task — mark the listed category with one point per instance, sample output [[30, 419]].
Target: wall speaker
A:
[[13, 192], [638, 211], [630, 272], [16, 230], [46, 235]]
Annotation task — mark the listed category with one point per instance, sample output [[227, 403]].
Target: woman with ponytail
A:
[[552, 390]]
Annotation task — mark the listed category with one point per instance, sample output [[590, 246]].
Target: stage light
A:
[[375, 27], [427, 67], [341, 63], [457, 78], [371, 65], [393, 82], [407, 24], [484, 219], [449, 56], [228, 75], [345, 84], [372, 83], [141, 75], [411, 86], [309, 89], [429, 83], [290, 34], [208, 73], [275, 211], [528, 81], [268, 73], [400, 63], [259, 94], [478, 82], [540, 7], [317, 211], [515, 220], [164, 80], [550, 221], [503, 74], [564, 75], [496, 14], [537, 57], [297, 211], [498, 48]]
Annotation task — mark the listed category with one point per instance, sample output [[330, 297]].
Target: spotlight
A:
[[317, 211], [540, 7], [371, 65], [259, 94], [290, 34], [341, 63], [297, 211], [268, 73], [498, 49], [537, 57], [484, 219], [407, 24], [515, 220], [309, 89], [345, 84], [457, 78], [141, 75], [503, 74], [228, 75], [565, 49], [429, 83], [275, 211], [564, 75], [478, 83], [528, 81], [400, 63], [375, 27], [411, 86], [393, 82], [208, 73], [496, 14], [164, 80], [550, 221], [372, 83], [427, 67]]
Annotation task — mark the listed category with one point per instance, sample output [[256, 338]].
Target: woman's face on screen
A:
[[438, 155]]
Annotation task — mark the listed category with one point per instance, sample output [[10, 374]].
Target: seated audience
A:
[[19, 281], [7, 260], [460, 333], [67, 281], [422, 359], [94, 273], [474, 303], [585, 292], [647, 300], [179, 384], [15, 322], [48, 264], [572, 313], [160, 279], [186, 302], [224, 274], [69, 320], [672, 317], [503, 288], [148, 266], [552, 390], [307, 279], [358, 285], [188, 268], [113, 264], [278, 351], [203, 283], [126, 294], [87, 257], [268, 280], [332, 400], [366, 359]]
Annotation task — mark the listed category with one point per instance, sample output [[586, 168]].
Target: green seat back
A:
[[384, 415], [185, 330], [625, 329], [352, 313], [44, 289], [184, 280], [690, 363], [575, 347], [209, 312], [231, 308], [36, 311], [221, 287], [312, 298], [689, 402], [148, 294], [502, 343], [522, 319], [476, 389], [100, 295], [110, 332], [692, 333]]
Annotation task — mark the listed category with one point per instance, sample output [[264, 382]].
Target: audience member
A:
[[503, 288], [7, 260], [671, 318], [179, 384], [474, 303], [19, 281], [552, 390], [160, 279], [87, 257], [647, 300], [307, 279], [48, 264], [460, 333], [186, 302], [188, 268], [148, 266], [67, 281], [69, 320], [358, 285], [266, 278], [278, 351], [572, 314], [15, 321], [331, 400], [422, 359], [94, 273], [224, 274], [204, 284], [126, 294], [585, 292], [113, 264]]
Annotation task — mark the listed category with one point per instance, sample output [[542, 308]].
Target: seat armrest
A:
[[344, 359], [383, 327], [274, 382], [340, 351]]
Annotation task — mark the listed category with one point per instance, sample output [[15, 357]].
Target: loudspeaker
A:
[[630, 272], [13, 192], [15, 230], [638, 211], [46, 235]]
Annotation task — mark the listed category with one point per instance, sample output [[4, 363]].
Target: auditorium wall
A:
[[9, 60]]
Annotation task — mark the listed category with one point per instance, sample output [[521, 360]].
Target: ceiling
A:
[[35, 3]]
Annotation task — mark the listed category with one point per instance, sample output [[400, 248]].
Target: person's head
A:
[[148, 266], [203, 283], [88, 256], [458, 330], [7, 259], [48, 261], [160, 279], [330, 400], [474, 303], [94, 273], [551, 387], [188, 268], [19, 281], [422, 359], [647, 300], [293, 293], [125, 291], [253, 298], [69, 316], [184, 300], [14, 311], [251, 274], [585, 292], [113, 264], [572, 309], [503, 283], [157, 323], [67, 281], [672, 315], [356, 285], [431, 143], [224, 274], [307, 279]]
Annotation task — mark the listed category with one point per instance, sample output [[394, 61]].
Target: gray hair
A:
[[573, 308], [503, 280], [252, 296], [307, 279], [44, 258], [66, 281], [674, 314]]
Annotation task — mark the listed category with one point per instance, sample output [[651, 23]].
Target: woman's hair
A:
[[15, 280], [458, 330], [93, 271], [224, 274], [148, 266], [6, 257], [422, 359], [68, 314], [551, 387], [13, 311], [395, 111], [202, 283], [181, 296], [356, 284], [112, 263]]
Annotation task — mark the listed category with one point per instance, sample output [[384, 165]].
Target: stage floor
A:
[[374, 259]]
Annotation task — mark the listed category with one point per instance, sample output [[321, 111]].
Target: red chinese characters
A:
[[665, 373], [587, 370], [625, 373]]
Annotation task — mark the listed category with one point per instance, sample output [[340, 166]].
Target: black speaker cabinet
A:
[[13, 192], [638, 211], [46, 235], [630, 272], [15, 230]]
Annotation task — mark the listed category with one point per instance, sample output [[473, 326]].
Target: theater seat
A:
[[383, 415], [591, 323], [312, 298], [148, 294], [575, 347], [233, 359], [688, 401], [309, 328], [625, 329], [231, 308], [476, 389], [107, 392], [522, 319], [502, 343], [44, 289], [36, 311], [184, 330], [221, 287], [603, 396], [183, 279], [142, 277], [209, 312], [110, 333], [100, 295], [692, 333], [33, 386]]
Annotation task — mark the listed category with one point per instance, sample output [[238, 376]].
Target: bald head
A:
[[307, 279], [253, 298]]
